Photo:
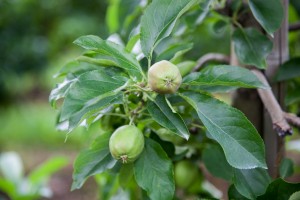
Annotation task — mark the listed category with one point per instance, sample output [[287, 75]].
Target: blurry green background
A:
[[35, 41]]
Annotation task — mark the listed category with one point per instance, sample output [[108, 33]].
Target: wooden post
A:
[[274, 144]]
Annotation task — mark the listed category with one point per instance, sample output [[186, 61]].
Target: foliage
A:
[[108, 84], [16, 186]]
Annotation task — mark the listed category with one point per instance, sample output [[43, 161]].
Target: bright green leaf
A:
[[242, 145], [286, 168], [112, 16], [92, 93], [268, 14], [45, 170], [280, 190], [159, 20], [113, 52], [224, 75], [251, 182], [132, 42], [251, 47], [213, 157], [93, 161], [153, 172], [161, 112], [173, 51]]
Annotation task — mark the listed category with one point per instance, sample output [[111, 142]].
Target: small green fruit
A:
[[126, 143], [186, 173], [164, 77]]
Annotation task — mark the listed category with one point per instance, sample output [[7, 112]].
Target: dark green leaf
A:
[[293, 92], [224, 75], [251, 47], [280, 190], [286, 168], [126, 174], [220, 26], [154, 172], [93, 161], [205, 6], [242, 145], [289, 70], [163, 114], [233, 194], [251, 182], [268, 14], [93, 92], [159, 20], [215, 162], [113, 52]]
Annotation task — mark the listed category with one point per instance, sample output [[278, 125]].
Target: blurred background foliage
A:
[[36, 41]]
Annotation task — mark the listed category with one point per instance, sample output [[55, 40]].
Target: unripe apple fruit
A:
[[164, 77], [126, 143], [186, 173]]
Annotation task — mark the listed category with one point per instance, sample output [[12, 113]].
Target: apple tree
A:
[[161, 120]]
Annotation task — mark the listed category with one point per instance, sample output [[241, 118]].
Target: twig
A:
[[280, 123], [294, 27], [279, 118], [210, 57], [292, 119]]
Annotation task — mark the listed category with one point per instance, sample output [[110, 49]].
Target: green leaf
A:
[[93, 161], [286, 168], [224, 75], [173, 51], [45, 170], [268, 14], [113, 52], [242, 145], [126, 174], [280, 190], [8, 187], [295, 196], [213, 157], [251, 182], [76, 67], [153, 172], [251, 47], [61, 90], [234, 194], [92, 93], [289, 70], [112, 16], [131, 43], [161, 112], [159, 20]]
